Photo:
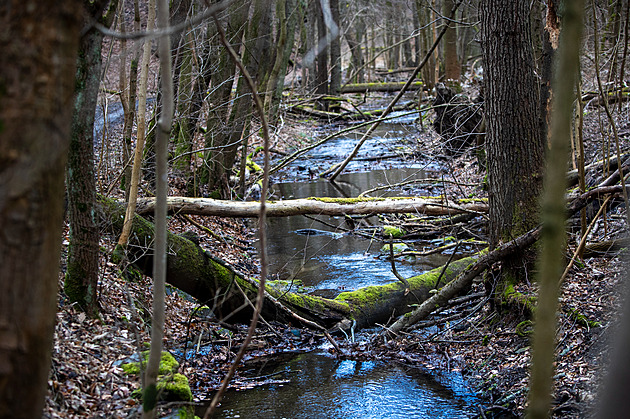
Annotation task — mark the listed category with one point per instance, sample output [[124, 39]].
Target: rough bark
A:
[[225, 123], [324, 206], [321, 63], [452, 67], [38, 50], [335, 51], [515, 149], [82, 275]]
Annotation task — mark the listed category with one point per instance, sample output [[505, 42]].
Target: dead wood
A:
[[218, 285], [606, 247], [324, 206], [380, 87]]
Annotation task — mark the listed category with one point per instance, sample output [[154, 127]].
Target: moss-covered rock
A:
[[393, 231], [168, 364], [171, 386], [397, 247]]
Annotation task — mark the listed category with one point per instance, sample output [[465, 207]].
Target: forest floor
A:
[[87, 379]]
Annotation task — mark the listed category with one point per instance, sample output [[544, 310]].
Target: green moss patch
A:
[[168, 364], [393, 231]]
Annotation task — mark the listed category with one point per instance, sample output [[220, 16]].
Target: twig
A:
[[402, 91], [393, 262]]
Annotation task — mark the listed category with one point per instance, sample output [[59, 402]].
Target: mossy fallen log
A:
[[217, 285]]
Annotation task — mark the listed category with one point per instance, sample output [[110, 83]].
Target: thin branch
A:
[[412, 77], [171, 30], [261, 220]]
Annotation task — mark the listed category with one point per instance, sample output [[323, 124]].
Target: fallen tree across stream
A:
[[230, 294], [214, 283], [323, 206]]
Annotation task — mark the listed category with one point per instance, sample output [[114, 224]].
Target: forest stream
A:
[[318, 255]]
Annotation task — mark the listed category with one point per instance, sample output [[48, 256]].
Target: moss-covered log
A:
[[215, 284]]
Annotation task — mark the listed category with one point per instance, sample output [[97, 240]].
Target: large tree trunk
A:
[[82, 275], [38, 49], [214, 283], [515, 148]]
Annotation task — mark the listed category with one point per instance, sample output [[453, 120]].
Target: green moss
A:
[[524, 328], [175, 388], [346, 200], [170, 388], [313, 303], [471, 200], [168, 364], [149, 398], [393, 231], [581, 319], [396, 247]]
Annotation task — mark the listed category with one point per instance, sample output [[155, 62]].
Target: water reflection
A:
[[322, 387], [334, 261]]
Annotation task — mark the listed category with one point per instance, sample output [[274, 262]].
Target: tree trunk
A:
[[335, 51], [324, 206], [214, 283], [515, 148], [452, 68], [426, 35], [321, 77], [286, 15], [225, 123], [81, 279], [38, 51]]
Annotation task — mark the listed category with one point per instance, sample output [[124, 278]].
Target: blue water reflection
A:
[[323, 387]]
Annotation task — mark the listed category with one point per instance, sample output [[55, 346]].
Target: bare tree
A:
[[515, 148], [82, 275], [38, 50]]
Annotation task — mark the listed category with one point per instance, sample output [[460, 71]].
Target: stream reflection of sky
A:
[[323, 387], [320, 386]]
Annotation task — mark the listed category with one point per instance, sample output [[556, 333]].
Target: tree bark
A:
[[81, 279], [323, 206], [335, 51], [38, 50], [452, 68], [515, 149], [225, 123]]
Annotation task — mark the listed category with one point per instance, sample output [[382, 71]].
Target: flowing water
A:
[[324, 387], [327, 260]]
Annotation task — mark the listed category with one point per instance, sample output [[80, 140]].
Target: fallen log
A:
[[323, 206], [217, 285], [379, 87]]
